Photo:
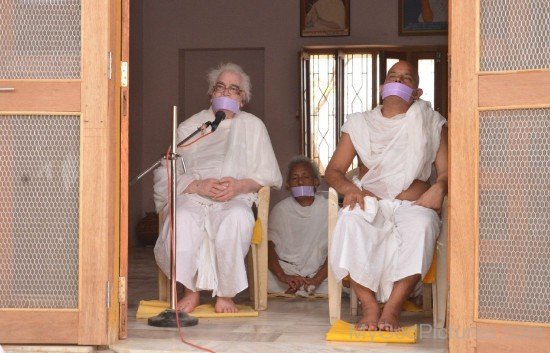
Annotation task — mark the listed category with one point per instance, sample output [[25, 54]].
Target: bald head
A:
[[403, 72]]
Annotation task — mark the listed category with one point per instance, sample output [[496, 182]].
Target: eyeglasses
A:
[[221, 88]]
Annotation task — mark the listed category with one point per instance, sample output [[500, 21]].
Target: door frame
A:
[[472, 91], [124, 113]]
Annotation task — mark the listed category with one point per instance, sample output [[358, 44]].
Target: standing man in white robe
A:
[[298, 244], [385, 234], [225, 170]]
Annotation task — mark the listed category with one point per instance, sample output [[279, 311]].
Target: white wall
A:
[[160, 28]]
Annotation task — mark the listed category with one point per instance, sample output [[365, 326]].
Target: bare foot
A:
[[189, 301], [370, 318], [389, 320], [225, 305]]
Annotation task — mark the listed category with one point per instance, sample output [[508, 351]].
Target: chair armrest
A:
[[259, 252], [263, 206]]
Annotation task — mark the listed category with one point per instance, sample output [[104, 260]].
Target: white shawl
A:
[[396, 150], [300, 235], [249, 155]]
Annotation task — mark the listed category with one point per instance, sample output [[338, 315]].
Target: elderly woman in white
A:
[[225, 169], [298, 243]]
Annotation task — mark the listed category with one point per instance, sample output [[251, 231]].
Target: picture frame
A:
[[324, 18], [423, 17]]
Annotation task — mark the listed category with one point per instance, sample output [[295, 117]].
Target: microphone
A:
[[220, 115]]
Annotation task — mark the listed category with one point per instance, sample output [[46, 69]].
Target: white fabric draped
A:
[[390, 239], [398, 150], [214, 236], [300, 237]]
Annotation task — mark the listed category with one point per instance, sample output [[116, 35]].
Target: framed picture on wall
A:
[[423, 17], [324, 18]]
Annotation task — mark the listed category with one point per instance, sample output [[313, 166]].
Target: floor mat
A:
[[346, 332]]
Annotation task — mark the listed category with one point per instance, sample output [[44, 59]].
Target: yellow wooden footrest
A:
[[207, 311], [346, 332], [409, 307], [150, 308]]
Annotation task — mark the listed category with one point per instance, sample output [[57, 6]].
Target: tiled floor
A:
[[289, 325]]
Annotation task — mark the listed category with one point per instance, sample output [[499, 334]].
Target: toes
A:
[[387, 326], [366, 326]]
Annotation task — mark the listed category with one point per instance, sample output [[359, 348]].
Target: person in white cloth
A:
[[385, 234], [224, 171], [297, 233]]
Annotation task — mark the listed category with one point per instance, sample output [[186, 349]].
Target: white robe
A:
[[390, 239], [300, 238], [214, 237]]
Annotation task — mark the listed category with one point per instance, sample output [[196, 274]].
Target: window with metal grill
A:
[[336, 82]]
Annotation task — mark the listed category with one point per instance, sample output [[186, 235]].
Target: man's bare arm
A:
[[320, 276], [294, 282], [335, 174], [433, 197]]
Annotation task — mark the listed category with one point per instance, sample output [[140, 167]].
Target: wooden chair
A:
[[436, 277], [256, 258]]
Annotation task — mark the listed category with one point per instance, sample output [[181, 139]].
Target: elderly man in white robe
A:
[[225, 169], [298, 244], [386, 232]]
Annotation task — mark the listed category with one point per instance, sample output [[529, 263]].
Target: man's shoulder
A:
[[321, 203], [321, 198], [198, 118], [252, 122], [249, 117], [283, 204], [430, 114], [363, 116], [357, 115], [356, 121]]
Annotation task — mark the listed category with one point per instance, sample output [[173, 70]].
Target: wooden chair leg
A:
[[334, 288], [261, 251], [164, 286], [261, 261], [250, 274], [334, 298], [427, 299], [435, 307], [256, 285]]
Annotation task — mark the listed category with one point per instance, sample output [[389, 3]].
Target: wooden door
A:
[[499, 176], [57, 149]]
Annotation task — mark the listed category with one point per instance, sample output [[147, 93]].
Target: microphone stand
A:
[[174, 133], [168, 318]]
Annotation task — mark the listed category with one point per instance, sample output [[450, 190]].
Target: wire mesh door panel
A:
[[40, 39], [514, 204], [39, 211]]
